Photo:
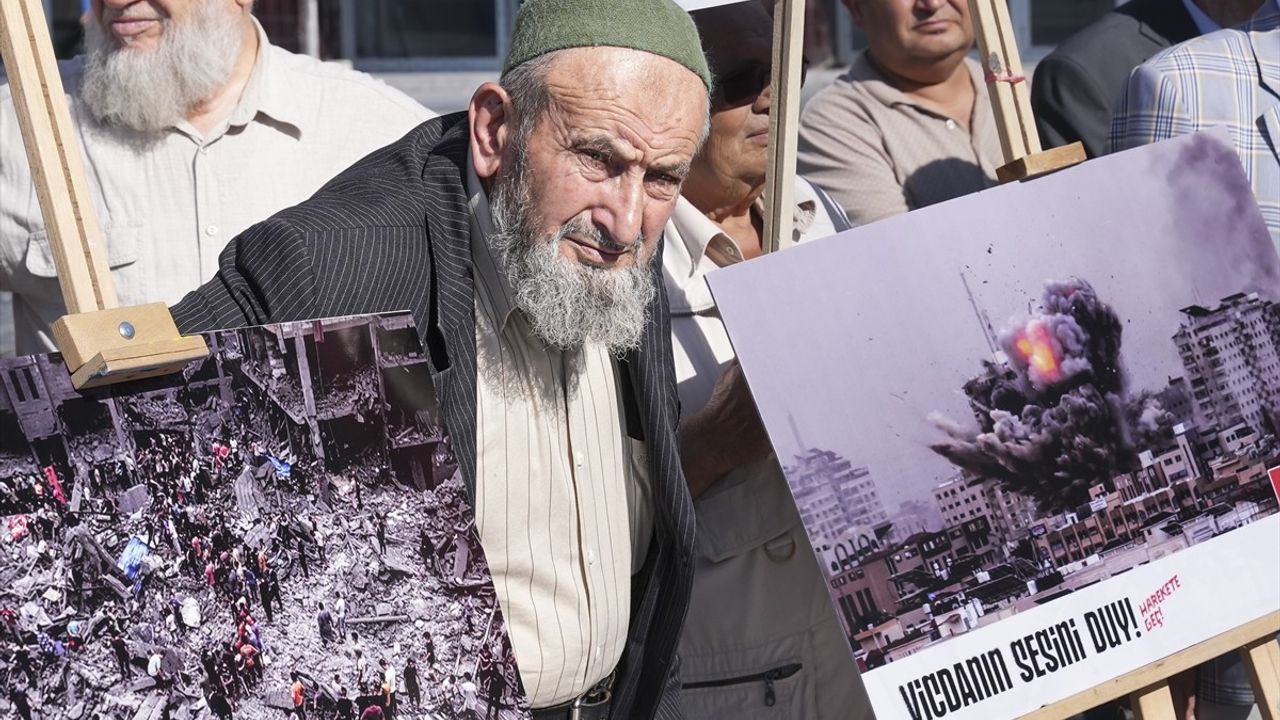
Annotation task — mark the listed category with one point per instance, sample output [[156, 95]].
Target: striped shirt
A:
[[168, 210], [560, 489], [1228, 79]]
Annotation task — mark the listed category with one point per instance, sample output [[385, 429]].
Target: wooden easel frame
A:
[[101, 342], [1148, 687], [784, 124]]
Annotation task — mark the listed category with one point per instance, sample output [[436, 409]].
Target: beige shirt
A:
[[167, 211], [759, 601], [562, 501], [879, 153]]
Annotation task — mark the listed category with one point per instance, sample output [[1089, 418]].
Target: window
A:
[[426, 28]]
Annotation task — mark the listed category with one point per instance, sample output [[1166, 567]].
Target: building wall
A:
[[961, 498], [1231, 354]]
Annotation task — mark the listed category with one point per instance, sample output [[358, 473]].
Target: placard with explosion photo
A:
[[281, 526], [1028, 431]]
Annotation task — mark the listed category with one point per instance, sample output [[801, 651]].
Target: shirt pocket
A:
[[753, 510], [123, 248]]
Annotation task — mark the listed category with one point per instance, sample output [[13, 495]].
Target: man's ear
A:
[[492, 126]]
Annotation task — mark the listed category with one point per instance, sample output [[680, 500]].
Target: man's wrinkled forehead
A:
[[651, 104]]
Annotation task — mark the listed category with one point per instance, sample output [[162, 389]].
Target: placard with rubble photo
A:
[[282, 522], [1028, 430]]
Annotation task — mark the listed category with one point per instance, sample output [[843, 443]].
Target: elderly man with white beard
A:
[[193, 127], [525, 237]]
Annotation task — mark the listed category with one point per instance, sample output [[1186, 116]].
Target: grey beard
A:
[[567, 303], [149, 91]]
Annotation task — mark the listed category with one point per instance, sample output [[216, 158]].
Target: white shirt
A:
[[697, 246], [167, 211]]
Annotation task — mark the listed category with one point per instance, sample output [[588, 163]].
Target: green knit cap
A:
[[659, 27]]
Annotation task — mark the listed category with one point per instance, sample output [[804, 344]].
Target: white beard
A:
[[150, 91], [567, 303]]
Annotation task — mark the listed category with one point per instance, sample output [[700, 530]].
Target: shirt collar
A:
[[698, 232], [488, 276], [270, 90], [691, 237], [1204, 23], [1266, 18]]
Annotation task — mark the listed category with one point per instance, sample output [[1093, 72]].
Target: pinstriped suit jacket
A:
[[392, 233]]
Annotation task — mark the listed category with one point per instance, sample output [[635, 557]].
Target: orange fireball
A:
[[1036, 348]]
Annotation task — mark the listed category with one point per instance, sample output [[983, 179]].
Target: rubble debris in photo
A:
[[281, 523]]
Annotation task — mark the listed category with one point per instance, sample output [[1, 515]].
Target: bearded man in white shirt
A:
[[193, 127]]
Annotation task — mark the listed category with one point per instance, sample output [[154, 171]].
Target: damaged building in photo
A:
[[282, 521]]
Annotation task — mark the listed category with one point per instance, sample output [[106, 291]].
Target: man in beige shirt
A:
[[193, 127], [761, 633], [910, 124]]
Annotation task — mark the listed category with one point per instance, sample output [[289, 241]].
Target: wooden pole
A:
[[1262, 660], [54, 154], [1154, 702], [784, 121], [1011, 97], [100, 342], [309, 27]]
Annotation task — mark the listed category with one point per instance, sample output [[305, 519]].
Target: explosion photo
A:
[[280, 527], [1029, 410], [1054, 415]]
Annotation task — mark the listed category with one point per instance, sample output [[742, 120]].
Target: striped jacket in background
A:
[[393, 233], [1229, 79]]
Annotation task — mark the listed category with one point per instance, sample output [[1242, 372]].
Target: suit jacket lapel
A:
[[451, 330], [663, 586], [1267, 57]]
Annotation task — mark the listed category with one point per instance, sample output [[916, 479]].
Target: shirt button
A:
[[591, 556], [211, 230], [579, 459], [951, 124]]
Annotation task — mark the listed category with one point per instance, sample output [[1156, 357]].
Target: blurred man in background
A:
[[1228, 79], [761, 631], [193, 127], [910, 124], [1078, 84]]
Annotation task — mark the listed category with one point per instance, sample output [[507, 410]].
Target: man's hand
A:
[[724, 434]]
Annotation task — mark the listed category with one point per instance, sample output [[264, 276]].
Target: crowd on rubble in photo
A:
[[195, 574]]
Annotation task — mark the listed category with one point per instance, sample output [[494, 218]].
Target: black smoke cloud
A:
[[1054, 419]]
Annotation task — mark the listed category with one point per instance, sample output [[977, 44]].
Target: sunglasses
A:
[[747, 82]]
